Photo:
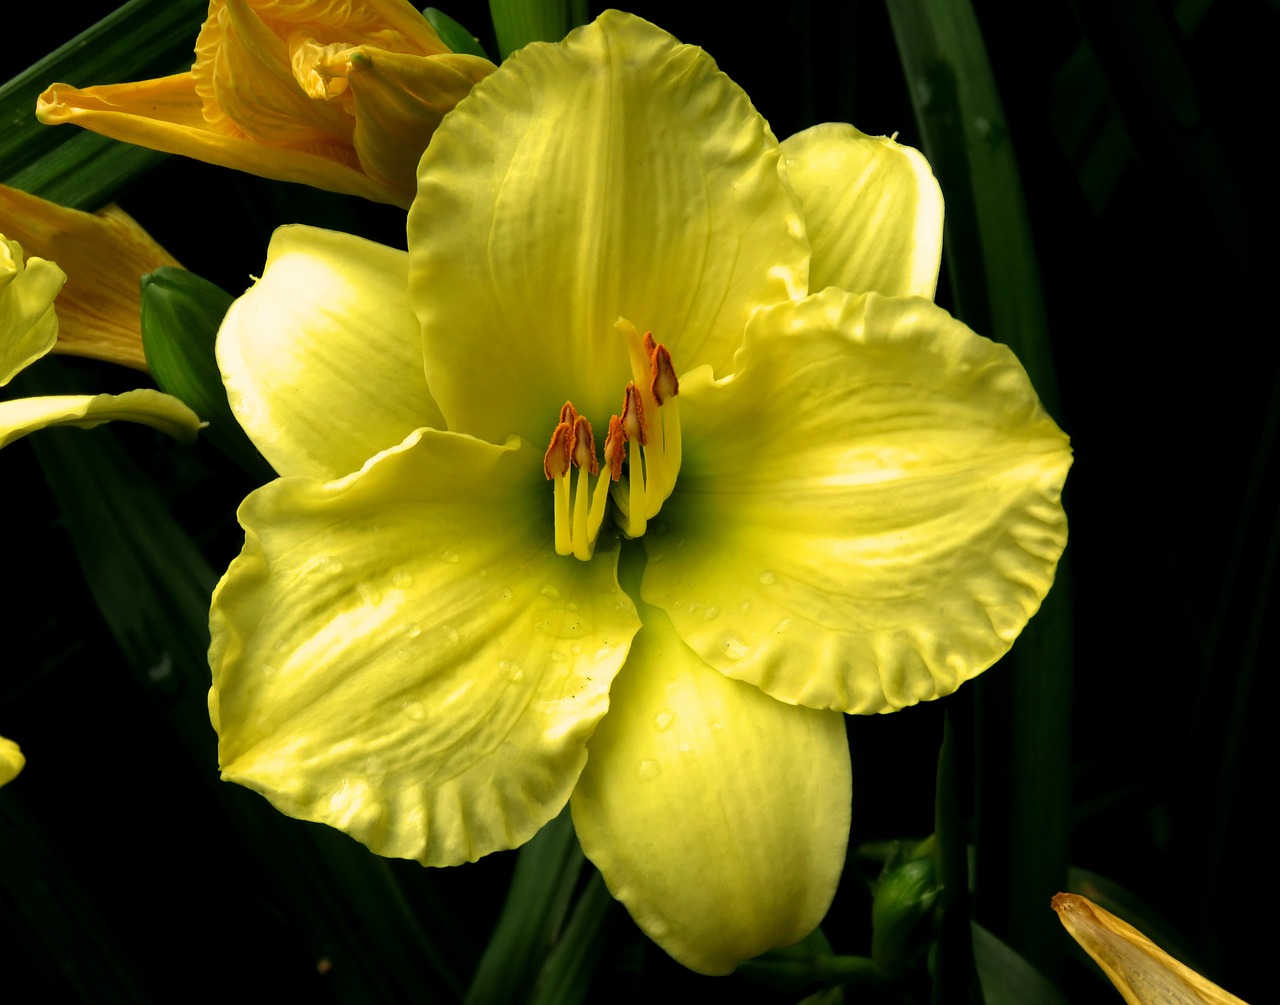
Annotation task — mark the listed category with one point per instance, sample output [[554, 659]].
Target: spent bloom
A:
[[588, 498], [1141, 971], [342, 95], [29, 329]]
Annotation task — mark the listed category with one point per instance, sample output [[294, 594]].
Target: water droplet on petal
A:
[[736, 649], [414, 710], [555, 656], [783, 626], [745, 608], [411, 629], [450, 556], [369, 593], [664, 719], [648, 770], [550, 591], [507, 594], [768, 578], [402, 580], [711, 613]]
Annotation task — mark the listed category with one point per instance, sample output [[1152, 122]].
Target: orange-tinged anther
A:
[[664, 383], [633, 414], [556, 460], [615, 444], [649, 344], [568, 413], [583, 447]]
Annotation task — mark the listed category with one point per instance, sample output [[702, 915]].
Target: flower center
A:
[[645, 475]]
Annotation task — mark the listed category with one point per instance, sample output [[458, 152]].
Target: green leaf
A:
[[1008, 979], [1023, 705], [519, 22], [66, 164], [566, 976], [546, 872], [452, 34], [181, 313]]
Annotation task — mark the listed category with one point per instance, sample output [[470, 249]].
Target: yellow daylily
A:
[[29, 329], [11, 760], [1142, 972], [342, 95], [105, 255], [855, 508]]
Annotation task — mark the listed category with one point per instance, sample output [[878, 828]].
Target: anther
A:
[[633, 423], [663, 383], [555, 462], [583, 446]]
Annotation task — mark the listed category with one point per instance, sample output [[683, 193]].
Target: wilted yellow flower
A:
[[339, 94], [1142, 972], [28, 330], [11, 760], [848, 502], [105, 255]]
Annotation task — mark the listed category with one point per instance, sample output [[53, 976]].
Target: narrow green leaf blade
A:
[[452, 34]]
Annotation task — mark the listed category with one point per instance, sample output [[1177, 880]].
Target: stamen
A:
[[663, 384], [556, 466]]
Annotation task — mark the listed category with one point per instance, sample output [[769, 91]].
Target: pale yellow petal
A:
[[322, 356], [150, 408], [1142, 972], [401, 655], [28, 322], [872, 210], [868, 511], [11, 760], [618, 173], [716, 814]]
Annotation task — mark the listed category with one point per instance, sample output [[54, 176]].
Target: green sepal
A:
[[900, 913], [181, 313], [452, 34]]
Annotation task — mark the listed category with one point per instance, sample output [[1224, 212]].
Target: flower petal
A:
[[868, 511], [28, 321], [150, 408], [401, 655], [105, 254], [322, 357], [872, 209], [617, 173], [11, 760], [1142, 972], [166, 114], [717, 815]]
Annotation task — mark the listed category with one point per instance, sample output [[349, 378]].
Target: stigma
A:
[[641, 453]]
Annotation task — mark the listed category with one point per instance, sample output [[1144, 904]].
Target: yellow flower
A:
[[1142, 972], [342, 95], [29, 329], [856, 507], [11, 760], [105, 255]]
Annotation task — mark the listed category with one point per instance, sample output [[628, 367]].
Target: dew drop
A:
[[450, 556], [768, 578], [664, 719], [783, 626], [414, 710], [555, 656], [745, 608], [711, 613], [411, 629], [648, 770], [736, 649], [449, 635], [507, 593], [369, 593], [402, 580], [550, 591], [329, 566], [575, 648], [511, 670]]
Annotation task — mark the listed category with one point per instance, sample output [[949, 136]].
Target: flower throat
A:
[[639, 481]]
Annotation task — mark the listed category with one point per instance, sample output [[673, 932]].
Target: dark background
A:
[[1153, 212]]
